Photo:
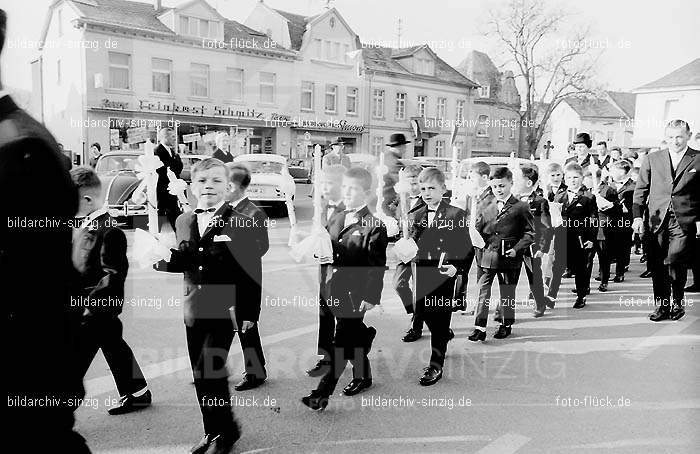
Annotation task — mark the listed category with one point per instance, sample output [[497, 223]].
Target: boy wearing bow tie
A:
[[331, 204], [622, 242], [99, 258], [217, 271], [573, 241], [539, 207], [508, 229], [440, 232], [402, 275], [354, 284]]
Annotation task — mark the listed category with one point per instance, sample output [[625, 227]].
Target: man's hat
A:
[[337, 141], [397, 139], [583, 137]]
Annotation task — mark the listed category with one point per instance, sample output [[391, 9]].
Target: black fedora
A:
[[337, 141], [397, 139], [584, 138]]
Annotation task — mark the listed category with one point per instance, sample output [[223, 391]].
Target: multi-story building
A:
[[114, 71], [674, 96], [494, 122]]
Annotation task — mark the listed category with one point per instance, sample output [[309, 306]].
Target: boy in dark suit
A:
[[218, 302], [622, 242], [331, 204], [440, 232], [254, 359], [402, 275], [99, 258], [168, 206], [354, 285], [574, 239], [609, 218], [539, 207], [508, 229]]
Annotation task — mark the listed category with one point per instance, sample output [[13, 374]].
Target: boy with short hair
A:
[[507, 227], [539, 207], [440, 232], [574, 240], [251, 285], [331, 204], [402, 275], [622, 241], [609, 217], [216, 269], [101, 264], [354, 285]]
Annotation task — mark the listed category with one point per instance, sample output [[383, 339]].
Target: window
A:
[[319, 48], [267, 88], [234, 83], [400, 113], [572, 135], [460, 112], [58, 72], [351, 101], [460, 147], [331, 98], [441, 108], [378, 103], [512, 132], [336, 52], [199, 80], [203, 28], [422, 105], [346, 49], [119, 71], [439, 148], [161, 74], [198, 27], [423, 66], [184, 25], [377, 145], [502, 128], [485, 91], [59, 22], [307, 96], [482, 127]]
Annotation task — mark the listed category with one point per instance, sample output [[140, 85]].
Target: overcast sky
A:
[[657, 37]]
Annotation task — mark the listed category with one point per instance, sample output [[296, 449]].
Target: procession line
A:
[[104, 384]]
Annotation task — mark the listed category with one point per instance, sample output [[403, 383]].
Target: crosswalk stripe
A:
[[505, 444]]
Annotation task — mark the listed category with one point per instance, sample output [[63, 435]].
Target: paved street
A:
[[601, 379]]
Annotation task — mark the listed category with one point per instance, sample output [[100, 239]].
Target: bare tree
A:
[[551, 65]]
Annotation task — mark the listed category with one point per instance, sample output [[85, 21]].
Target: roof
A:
[[682, 77], [142, 16], [624, 101], [384, 59], [598, 107], [297, 26], [477, 62]]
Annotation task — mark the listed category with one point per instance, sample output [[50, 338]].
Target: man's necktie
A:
[[204, 210]]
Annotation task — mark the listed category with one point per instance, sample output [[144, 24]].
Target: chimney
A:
[[157, 4]]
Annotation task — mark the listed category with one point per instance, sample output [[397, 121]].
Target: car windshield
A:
[[112, 164], [264, 166]]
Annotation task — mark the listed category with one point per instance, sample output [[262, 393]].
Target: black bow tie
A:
[[431, 210], [204, 210]]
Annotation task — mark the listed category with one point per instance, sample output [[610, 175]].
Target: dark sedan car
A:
[[117, 171]]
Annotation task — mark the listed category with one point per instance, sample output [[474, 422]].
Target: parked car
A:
[[270, 180], [117, 172], [365, 160], [300, 170]]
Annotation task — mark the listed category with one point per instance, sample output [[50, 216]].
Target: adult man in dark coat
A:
[[669, 184], [222, 152], [166, 150], [38, 317], [582, 145]]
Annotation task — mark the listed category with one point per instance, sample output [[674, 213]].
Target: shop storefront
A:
[[306, 134]]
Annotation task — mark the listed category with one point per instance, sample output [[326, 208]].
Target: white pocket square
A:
[[692, 170], [356, 233], [442, 226], [219, 238]]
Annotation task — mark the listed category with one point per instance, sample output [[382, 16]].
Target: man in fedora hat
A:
[[397, 150], [336, 156], [582, 145]]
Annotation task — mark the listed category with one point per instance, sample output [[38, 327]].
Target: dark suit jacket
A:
[[165, 199], [539, 207], [219, 272], [254, 250], [605, 162], [359, 263], [99, 258], [580, 216], [609, 219], [588, 160], [659, 187], [220, 155], [551, 194], [447, 234], [483, 200], [625, 195], [35, 265], [514, 224], [323, 269]]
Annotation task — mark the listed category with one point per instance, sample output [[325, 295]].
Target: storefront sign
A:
[[187, 138], [137, 135], [114, 137], [338, 125]]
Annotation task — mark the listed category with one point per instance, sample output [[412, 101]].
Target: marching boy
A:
[[354, 285], [217, 268], [331, 203], [507, 227], [539, 207], [440, 232], [622, 242], [609, 218], [574, 240], [251, 287], [99, 258]]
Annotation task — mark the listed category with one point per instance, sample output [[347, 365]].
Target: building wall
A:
[[655, 109], [263, 19], [502, 127]]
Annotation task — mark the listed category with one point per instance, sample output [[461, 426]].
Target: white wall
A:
[[651, 116], [263, 19]]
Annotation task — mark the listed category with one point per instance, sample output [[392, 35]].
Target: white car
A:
[[270, 182]]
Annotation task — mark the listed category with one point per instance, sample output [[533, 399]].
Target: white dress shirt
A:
[[203, 219], [676, 157], [330, 209], [351, 215], [431, 214]]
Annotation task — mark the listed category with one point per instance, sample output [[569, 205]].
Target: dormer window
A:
[[485, 91], [424, 66], [200, 28]]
